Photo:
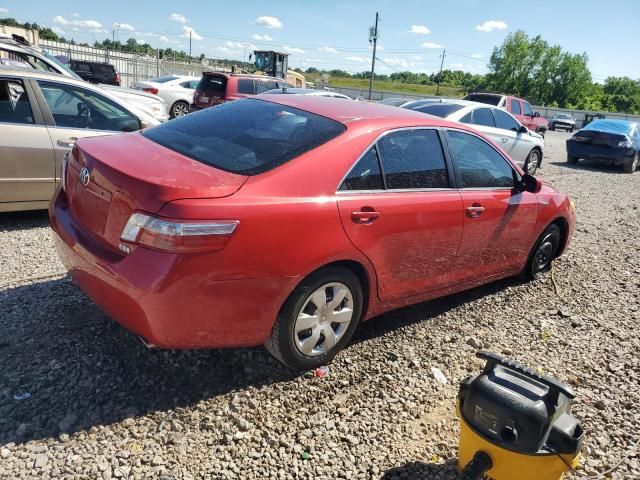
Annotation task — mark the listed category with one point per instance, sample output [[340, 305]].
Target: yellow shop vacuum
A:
[[516, 424]]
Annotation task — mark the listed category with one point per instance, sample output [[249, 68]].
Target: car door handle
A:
[[365, 216], [68, 143], [475, 210], [505, 139]]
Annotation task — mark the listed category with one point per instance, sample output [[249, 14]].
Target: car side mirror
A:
[[536, 114], [523, 129], [529, 183]]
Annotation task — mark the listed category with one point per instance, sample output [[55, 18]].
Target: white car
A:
[[18, 49], [307, 91], [523, 146], [176, 90]]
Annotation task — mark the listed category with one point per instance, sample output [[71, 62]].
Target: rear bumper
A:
[[170, 300], [601, 153]]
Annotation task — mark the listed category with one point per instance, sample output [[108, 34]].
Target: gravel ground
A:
[[102, 406]]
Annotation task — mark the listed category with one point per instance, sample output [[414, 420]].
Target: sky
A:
[[334, 34]]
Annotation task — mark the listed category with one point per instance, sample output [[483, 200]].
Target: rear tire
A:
[[543, 253], [631, 165], [533, 162], [179, 109], [310, 330], [572, 159]]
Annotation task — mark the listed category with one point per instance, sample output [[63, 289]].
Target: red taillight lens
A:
[[117, 80], [186, 236], [150, 90]]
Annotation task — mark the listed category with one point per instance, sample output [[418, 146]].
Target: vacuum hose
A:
[[477, 467]]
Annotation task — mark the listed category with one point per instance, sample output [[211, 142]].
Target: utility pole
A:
[[444, 51], [373, 37], [189, 46]]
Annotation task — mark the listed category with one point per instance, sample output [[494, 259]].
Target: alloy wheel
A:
[[180, 109], [533, 162], [323, 319]]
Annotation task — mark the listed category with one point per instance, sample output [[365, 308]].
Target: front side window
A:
[[483, 116], [246, 137], [413, 159], [479, 164], [75, 107], [506, 121], [265, 85], [245, 85], [365, 175], [515, 106], [526, 109], [14, 103]]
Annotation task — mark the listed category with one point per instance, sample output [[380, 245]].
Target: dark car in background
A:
[[96, 72], [610, 141], [563, 121], [215, 88]]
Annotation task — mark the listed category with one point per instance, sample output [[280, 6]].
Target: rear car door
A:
[[408, 220], [499, 219], [73, 112], [26, 153], [518, 144]]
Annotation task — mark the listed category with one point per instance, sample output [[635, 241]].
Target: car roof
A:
[[42, 75], [354, 114], [246, 75]]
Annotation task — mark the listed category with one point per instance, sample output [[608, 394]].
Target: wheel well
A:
[[563, 225], [358, 269]]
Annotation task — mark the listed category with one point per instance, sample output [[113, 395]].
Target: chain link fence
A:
[[132, 68]]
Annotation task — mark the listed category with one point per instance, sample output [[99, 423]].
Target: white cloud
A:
[[328, 49], [265, 37], [292, 49], [4, 10], [164, 39], [478, 56], [457, 66], [431, 45], [58, 31], [268, 22], [75, 14], [91, 25], [222, 49], [358, 59], [194, 34], [178, 18], [234, 45], [124, 26], [416, 57], [491, 25], [420, 30]]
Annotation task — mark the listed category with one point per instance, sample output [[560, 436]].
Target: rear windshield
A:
[[487, 99], [164, 79], [439, 109], [247, 136], [213, 83]]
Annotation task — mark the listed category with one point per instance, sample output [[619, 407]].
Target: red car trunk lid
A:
[[128, 173]]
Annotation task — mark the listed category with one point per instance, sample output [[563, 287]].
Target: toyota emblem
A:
[[85, 176]]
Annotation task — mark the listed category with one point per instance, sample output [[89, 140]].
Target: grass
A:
[[389, 86]]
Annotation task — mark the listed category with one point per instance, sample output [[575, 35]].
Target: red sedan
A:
[[287, 220]]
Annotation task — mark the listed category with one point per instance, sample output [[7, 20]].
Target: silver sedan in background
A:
[[523, 146]]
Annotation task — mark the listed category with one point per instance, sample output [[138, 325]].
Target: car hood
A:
[[151, 105]]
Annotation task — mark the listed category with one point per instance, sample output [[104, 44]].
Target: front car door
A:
[[73, 112], [499, 219], [527, 116], [26, 154], [398, 207]]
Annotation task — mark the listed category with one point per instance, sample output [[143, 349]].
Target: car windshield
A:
[[564, 115], [247, 136], [53, 59], [438, 109]]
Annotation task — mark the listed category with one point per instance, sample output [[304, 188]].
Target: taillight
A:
[[172, 235], [63, 172], [117, 80], [150, 90]]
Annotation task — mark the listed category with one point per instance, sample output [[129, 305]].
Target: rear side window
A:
[[365, 175], [212, 83], [442, 110], [104, 69], [246, 137], [413, 159], [14, 104], [246, 85], [82, 67], [515, 106], [265, 85], [483, 116], [480, 165], [506, 121]]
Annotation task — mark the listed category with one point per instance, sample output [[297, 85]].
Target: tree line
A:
[[524, 66]]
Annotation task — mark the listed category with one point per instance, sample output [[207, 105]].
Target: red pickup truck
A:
[[519, 108]]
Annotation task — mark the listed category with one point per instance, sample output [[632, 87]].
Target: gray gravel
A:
[[102, 406]]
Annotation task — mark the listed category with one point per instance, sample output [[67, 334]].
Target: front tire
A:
[[179, 109], [572, 159], [543, 253], [631, 165], [533, 162], [317, 320]]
